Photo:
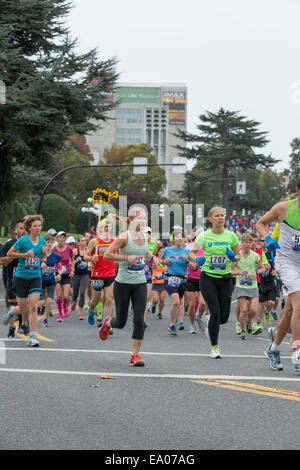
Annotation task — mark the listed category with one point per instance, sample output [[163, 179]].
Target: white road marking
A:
[[128, 353], [153, 376]]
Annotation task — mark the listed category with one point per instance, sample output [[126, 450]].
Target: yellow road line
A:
[[261, 387], [38, 335], [252, 388]]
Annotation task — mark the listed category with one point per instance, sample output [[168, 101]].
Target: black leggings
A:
[[217, 294], [122, 295]]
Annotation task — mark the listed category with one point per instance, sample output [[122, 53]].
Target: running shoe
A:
[[91, 317], [181, 326], [274, 358], [206, 322], [296, 361], [11, 332], [296, 357], [249, 327], [159, 316], [153, 308], [104, 330], [192, 330], [25, 329], [33, 341], [238, 328], [111, 331], [297, 368], [80, 316], [66, 313], [73, 306], [215, 353], [268, 319], [274, 315], [261, 325], [60, 318], [172, 330], [256, 329], [272, 333], [243, 335], [100, 323], [136, 360], [19, 330], [200, 322], [45, 323], [7, 317]]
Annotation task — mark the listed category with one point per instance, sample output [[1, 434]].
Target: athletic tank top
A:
[[289, 236], [133, 273], [103, 268], [81, 266]]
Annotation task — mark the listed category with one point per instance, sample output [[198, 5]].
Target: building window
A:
[[128, 136], [129, 116]]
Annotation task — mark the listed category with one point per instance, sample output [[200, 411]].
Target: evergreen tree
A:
[[51, 92], [225, 146]]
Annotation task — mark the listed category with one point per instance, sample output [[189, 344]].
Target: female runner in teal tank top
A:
[[130, 283]]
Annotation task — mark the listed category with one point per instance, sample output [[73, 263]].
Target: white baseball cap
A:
[[70, 240], [147, 229], [61, 233], [52, 232]]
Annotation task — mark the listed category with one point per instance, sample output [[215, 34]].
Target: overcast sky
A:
[[243, 55]]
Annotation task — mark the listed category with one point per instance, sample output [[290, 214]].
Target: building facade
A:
[[151, 114]]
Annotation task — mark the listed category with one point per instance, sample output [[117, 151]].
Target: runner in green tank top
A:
[[287, 263], [130, 283]]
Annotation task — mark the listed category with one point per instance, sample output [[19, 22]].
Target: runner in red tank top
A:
[[103, 271]]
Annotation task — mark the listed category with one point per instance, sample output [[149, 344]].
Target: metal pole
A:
[[98, 166]]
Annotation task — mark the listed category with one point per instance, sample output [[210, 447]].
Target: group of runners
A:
[[131, 271]]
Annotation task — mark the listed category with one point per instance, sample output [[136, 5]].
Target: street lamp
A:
[[90, 210]]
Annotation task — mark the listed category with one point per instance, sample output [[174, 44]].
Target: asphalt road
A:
[[52, 397]]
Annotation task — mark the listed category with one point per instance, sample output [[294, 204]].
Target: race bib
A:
[[137, 267], [265, 273], [32, 263], [245, 281], [174, 281], [97, 284], [296, 242], [102, 250], [217, 262], [82, 265], [159, 277], [48, 271]]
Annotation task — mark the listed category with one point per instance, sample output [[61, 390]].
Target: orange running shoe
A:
[[104, 330], [136, 360]]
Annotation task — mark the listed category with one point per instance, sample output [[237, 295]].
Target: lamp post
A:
[[90, 210], [135, 166]]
